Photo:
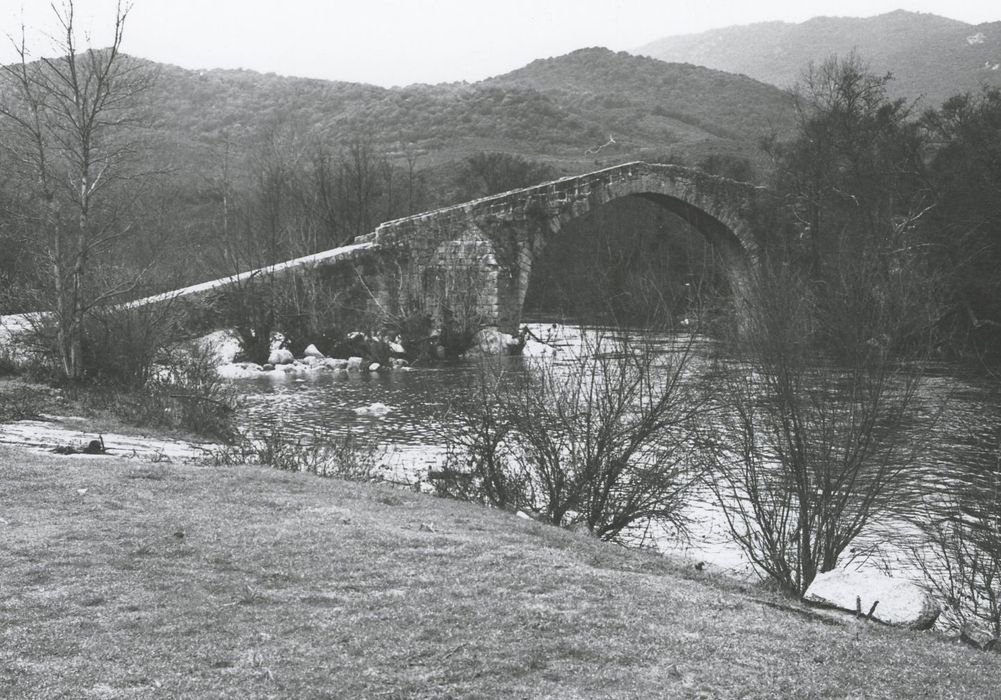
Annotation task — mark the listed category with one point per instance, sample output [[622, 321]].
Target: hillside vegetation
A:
[[554, 109], [930, 57]]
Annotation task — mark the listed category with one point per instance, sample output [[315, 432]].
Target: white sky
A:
[[398, 42]]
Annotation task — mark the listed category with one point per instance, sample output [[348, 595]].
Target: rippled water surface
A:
[[413, 429], [418, 400]]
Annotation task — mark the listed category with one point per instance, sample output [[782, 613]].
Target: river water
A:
[[409, 415], [407, 412]]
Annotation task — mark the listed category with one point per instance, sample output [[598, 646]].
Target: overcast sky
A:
[[398, 42]]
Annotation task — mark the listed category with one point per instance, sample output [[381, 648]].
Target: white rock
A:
[[336, 363], [901, 602], [490, 341], [280, 356], [311, 351], [374, 367], [397, 348], [224, 345], [376, 409], [355, 363]]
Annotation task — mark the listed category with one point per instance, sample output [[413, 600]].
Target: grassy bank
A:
[[120, 578]]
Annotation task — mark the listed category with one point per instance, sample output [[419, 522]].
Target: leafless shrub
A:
[[805, 449], [598, 441], [324, 454]]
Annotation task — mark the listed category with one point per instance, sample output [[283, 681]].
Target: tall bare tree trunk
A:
[[62, 113]]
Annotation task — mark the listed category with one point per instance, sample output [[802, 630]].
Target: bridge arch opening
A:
[[640, 258]]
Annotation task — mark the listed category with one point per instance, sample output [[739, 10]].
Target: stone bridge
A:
[[477, 257], [480, 254]]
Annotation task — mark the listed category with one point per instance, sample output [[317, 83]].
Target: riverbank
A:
[[46, 418], [133, 578]]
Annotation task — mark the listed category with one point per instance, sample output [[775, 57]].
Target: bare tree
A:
[[598, 441], [812, 442], [66, 118], [808, 448], [362, 181]]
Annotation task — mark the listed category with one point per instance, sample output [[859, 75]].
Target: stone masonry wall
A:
[[475, 259], [490, 244]]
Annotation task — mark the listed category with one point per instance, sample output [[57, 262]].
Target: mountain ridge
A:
[[555, 108], [931, 57]]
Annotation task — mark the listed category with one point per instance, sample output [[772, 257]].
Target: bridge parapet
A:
[[572, 196]]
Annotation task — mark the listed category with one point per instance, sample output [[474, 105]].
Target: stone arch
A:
[[510, 230], [719, 209]]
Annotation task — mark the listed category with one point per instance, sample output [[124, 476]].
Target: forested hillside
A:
[[559, 109], [639, 96], [930, 57]]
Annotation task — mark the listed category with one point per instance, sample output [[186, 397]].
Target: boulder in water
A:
[[280, 356], [491, 341]]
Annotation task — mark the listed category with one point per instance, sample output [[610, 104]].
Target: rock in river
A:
[[280, 356]]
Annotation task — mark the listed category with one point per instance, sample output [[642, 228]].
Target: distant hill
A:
[[676, 102], [560, 109], [931, 57]]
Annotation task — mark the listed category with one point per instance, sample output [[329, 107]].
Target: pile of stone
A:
[[281, 362], [358, 349]]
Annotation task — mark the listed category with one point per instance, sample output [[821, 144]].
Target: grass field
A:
[[122, 579]]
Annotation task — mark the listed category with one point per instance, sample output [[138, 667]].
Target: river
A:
[[409, 415]]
